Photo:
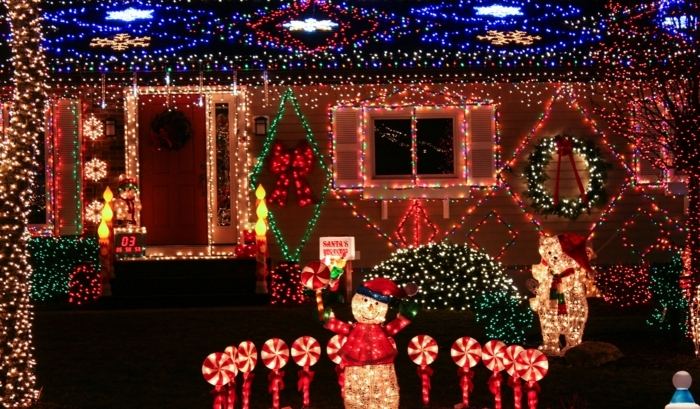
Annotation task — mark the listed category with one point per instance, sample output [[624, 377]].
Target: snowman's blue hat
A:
[[682, 396]]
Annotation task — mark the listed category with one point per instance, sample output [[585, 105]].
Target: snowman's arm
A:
[[338, 326], [396, 325]]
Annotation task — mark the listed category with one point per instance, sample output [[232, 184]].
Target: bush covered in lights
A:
[[458, 277], [53, 260], [670, 312]]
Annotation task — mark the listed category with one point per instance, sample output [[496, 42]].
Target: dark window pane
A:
[[392, 147], [223, 171], [435, 146]]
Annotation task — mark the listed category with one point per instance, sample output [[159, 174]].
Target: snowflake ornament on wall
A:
[[93, 128], [93, 211], [95, 169]]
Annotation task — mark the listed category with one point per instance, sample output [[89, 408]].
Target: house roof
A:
[[503, 36]]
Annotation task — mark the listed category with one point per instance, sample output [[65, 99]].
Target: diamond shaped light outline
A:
[[514, 234]]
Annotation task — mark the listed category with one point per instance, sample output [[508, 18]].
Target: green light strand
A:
[[292, 255]]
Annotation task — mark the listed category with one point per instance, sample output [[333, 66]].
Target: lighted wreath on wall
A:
[[171, 130], [563, 148]]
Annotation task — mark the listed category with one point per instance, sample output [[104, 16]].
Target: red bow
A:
[[292, 166], [566, 148]]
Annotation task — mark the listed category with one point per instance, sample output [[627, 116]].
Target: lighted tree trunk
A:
[[692, 223], [17, 163]]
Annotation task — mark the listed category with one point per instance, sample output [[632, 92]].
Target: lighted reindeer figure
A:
[[565, 279]]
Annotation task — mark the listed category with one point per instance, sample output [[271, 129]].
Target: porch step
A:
[[171, 283]]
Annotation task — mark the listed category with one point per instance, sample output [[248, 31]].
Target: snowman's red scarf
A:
[[555, 291]]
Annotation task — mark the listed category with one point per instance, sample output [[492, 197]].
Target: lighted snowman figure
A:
[[128, 203], [682, 398], [368, 354]]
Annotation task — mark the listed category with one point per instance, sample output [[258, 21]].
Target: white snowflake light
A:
[[130, 14], [496, 10], [93, 128], [95, 169], [93, 211], [310, 25]]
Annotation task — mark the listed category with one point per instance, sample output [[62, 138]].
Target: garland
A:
[[172, 130], [593, 195]]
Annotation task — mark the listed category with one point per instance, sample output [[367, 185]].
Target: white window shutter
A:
[[347, 148], [68, 174], [482, 145]]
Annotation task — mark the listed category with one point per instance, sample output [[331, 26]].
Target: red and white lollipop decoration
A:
[[306, 352], [512, 352], [422, 349], [532, 366], [333, 351], [466, 352], [315, 276], [219, 369], [246, 359], [493, 355], [275, 355], [232, 351]]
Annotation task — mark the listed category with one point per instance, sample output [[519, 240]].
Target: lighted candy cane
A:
[[218, 370], [232, 351], [305, 351], [492, 354], [246, 360], [332, 349], [512, 352], [275, 355], [316, 276], [466, 353], [422, 349], [532, 365]]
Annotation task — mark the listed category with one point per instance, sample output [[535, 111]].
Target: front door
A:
[[173, 175]]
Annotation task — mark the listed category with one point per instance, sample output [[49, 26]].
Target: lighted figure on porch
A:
[[128, 203], [368, 354], [564, 280]]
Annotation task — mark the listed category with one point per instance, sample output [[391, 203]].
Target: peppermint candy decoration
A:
[[306, 351], [218, 369], [274, 354], [247, 357], [315, 275], [532, 365], [422, 349], [232, 351], [493, 354], [466, 352], [333, 347], [509, 361]]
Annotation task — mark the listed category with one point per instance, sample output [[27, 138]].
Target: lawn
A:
[[152, 358]]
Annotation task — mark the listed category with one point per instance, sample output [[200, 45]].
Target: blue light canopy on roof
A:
[[151, 35]]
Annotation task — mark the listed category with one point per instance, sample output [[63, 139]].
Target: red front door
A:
[[173, 181]]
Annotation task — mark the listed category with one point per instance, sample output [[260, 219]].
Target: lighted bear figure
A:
[[368, 354], [565, 279]]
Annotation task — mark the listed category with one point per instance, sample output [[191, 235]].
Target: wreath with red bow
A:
[[171, 130], [563, 148]]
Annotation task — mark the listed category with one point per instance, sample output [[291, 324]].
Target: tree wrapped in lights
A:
[[17, 169], [651, 93], [458, 277], [670, 312]]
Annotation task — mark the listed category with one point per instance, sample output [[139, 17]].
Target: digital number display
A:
[[130, 244]]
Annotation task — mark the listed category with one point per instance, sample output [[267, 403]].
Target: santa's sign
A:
[[337, 247]]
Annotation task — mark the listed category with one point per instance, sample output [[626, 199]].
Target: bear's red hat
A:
[[574, 246]]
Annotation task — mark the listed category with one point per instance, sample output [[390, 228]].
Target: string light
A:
[[285, 285], [17, 170], [418, 216], [53, 260], [512, 233], [93, 211], [84, 285], [457, 277], [288, 254], [623, 286]]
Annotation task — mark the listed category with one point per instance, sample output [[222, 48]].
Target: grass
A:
[[142, 359]]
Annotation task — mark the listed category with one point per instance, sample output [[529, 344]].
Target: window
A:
[[419, 151]]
